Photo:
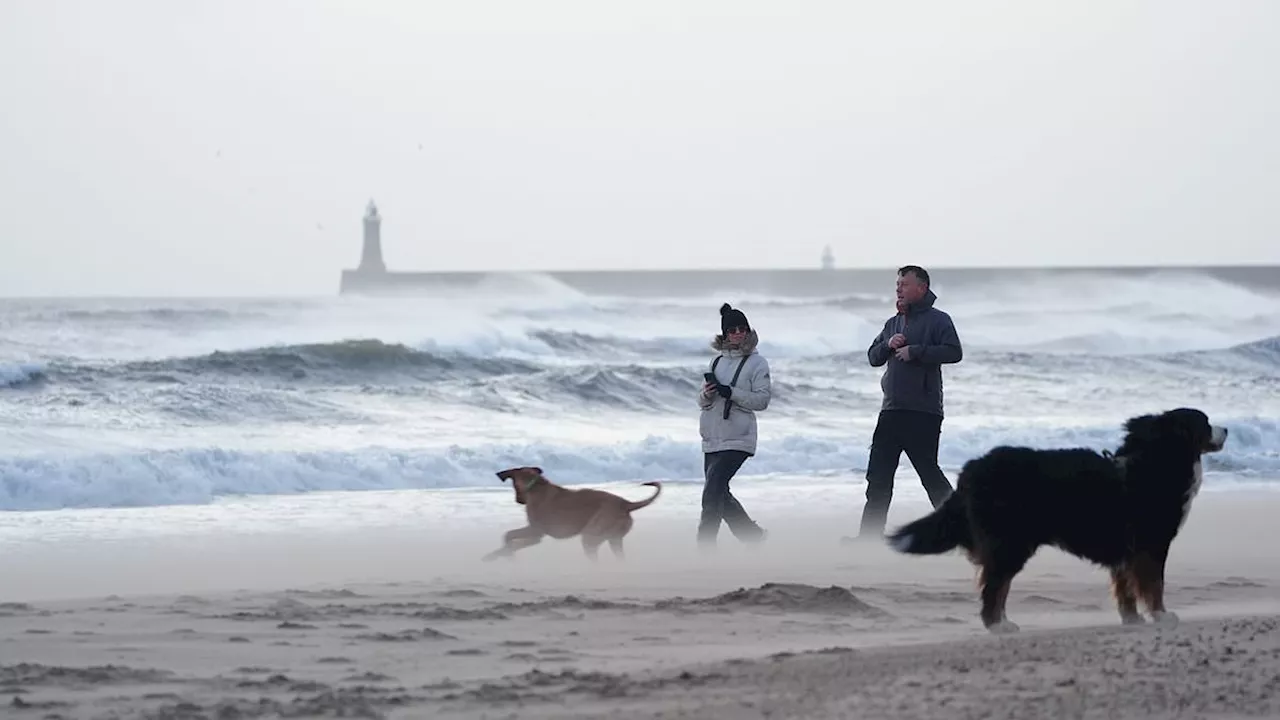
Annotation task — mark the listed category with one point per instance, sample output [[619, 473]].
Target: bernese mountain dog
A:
[[1120, 511]]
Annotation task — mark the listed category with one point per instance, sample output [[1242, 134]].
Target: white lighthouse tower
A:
[[371, 256], [828, 258]]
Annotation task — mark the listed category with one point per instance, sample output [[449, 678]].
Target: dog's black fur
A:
[[1119, 511]]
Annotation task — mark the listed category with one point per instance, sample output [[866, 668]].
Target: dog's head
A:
[[522, 479], [1186, 427]]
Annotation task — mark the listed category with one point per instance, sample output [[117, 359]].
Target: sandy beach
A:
[[404, 621]]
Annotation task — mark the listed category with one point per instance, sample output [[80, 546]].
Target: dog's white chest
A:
[[1197, 479]]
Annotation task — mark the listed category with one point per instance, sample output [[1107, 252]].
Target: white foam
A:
[[126, 478], [18, 373]]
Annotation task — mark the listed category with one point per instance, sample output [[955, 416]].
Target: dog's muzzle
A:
[[1217, 438]]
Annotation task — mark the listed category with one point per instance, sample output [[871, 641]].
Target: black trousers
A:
[[899, 431], [720, 504]]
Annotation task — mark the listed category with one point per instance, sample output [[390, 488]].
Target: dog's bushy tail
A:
[[940, 531], [643, 503]]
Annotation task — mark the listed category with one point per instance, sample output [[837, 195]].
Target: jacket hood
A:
[[923, 303], [748, 344]]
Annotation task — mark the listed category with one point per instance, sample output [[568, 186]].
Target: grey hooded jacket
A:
[[750, 395], [916, 383]]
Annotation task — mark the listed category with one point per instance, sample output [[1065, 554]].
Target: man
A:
[[912, 347]]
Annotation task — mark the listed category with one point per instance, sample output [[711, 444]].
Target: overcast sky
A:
[[230, 146]]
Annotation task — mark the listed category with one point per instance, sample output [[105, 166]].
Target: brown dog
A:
[[562, 513]]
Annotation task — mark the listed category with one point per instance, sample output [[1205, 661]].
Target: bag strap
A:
[[732, 382], [737, 372]]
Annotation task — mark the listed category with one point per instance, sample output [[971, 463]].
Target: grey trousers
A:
[[720, 504]]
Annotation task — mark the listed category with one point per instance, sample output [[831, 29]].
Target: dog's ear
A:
[[1191, 425], [537, 470], [1142, 427], [1138, 432]]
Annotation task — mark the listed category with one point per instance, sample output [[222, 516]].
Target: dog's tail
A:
[[942, 530], [642, 503]]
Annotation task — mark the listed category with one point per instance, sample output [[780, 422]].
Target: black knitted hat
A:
[[731, 317]]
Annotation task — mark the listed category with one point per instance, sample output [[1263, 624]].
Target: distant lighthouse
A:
[[828, 259], [371, 256]]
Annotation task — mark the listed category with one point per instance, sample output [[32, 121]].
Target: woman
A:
[[736, 387]]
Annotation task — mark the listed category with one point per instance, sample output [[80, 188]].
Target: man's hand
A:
[[708, 390], [897, 341], [903, 353]]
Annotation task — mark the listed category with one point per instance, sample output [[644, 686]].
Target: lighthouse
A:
[[371, 256], [828, 259]]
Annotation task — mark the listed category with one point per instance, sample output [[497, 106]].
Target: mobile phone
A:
[[710, 377]]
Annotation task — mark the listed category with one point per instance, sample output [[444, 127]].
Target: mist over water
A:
[[147, 402]]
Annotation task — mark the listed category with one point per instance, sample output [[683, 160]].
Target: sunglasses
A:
[[739, 329]]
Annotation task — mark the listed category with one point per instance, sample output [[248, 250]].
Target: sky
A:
[[152, 147]]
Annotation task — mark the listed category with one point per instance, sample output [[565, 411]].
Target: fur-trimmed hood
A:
[[748, 345]]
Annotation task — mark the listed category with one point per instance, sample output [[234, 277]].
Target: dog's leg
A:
[[1123, 588], [591, 546], [514, 540], [995, 594], [998, 571], [605, 525], [1148, 572], [615, 544]]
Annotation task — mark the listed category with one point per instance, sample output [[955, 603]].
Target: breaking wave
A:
[[350, 361], [194, 476]]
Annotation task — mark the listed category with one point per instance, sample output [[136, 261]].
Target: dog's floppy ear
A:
[[1141, 427], [513, 474], [1191, 425], [1139, 431]]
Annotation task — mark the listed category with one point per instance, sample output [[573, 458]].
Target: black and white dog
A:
[[1120, 511]]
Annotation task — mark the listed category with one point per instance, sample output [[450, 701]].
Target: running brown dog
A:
[[561, 513]]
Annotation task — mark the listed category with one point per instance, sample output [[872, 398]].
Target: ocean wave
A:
[[1266, 349], [21, 374], [201, 475], [349, 361], [164, 316], [577, 343]]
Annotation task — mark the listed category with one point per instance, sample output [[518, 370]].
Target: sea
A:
[[114, 404]]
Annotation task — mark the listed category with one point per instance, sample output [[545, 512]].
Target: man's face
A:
[[910, 288]]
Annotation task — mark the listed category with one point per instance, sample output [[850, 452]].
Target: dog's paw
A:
[[1134, 619], [1004, 627], [1164, 618]]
